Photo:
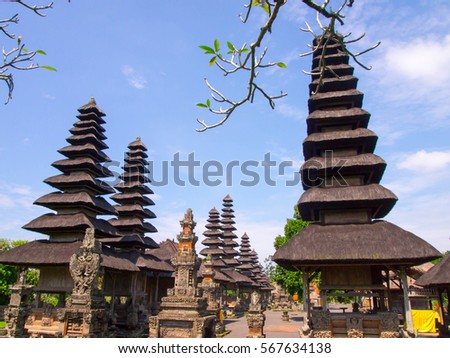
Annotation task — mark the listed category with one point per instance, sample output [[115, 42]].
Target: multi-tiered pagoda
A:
[[79, 200], [228, 235], [348, 242], [213, 241], [245, 258], [85, 257], [132, 200]]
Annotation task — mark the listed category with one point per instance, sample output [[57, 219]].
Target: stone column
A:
[[17, 312]]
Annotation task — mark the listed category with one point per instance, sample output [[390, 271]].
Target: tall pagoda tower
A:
[[245, 258], [348, 242], [132, 201], [228, 234], [213, 241], [78, 199]]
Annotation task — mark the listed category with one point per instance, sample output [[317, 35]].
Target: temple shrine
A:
[[349, 244]]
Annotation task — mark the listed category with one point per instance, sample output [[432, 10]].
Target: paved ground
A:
[[273, 328]]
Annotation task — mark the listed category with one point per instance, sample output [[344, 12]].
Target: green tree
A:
[[291, 281], [8, 274]]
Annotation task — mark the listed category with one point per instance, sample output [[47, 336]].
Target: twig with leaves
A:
[[246, 58], [243, 58], [331, 36], [19, 58]]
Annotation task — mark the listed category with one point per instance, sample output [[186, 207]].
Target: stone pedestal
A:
[[255, 317], [17, 312], [85, 314], [285, 316]]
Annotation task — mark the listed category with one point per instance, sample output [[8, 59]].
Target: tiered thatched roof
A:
[[228, 235], [79, 200], [341, 177], [132, 201]]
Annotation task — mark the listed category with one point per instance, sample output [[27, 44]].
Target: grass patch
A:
[[2, 324]]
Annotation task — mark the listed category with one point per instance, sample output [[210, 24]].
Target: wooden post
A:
[[156, 288], [388, 285], [406, 302], [305, 279], [441, 309]]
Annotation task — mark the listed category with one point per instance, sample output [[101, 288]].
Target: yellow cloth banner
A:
[[425, 320]]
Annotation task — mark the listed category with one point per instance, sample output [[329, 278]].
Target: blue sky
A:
[[141, 62]]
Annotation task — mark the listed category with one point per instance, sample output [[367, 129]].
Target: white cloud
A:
[[6, 201], [134, 79], [424, 161], [426, 216], [291, 111], [423, 59]]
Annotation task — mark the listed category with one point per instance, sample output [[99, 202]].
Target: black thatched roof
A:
[[50, 253], [238, 277], [58, 200], [373, 196], [91, 106], [131, 240], [70, 223], [355, 116], [81, 180], [40, 253], [86, 164], [379, 242], [362, 139], [328, 99], [370, 166], [437, 276], [167, 249]]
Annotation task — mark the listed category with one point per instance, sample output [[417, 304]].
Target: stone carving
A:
[[320, 325], [85, 265], [255, 323], [355, 333], [85, 314], [255, 317], [184, 311], [16, 314], [389, 325]]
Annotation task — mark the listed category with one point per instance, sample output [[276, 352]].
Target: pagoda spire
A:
[[79, 199], [245, 259], [132, 200], [341, 178], [213, 240], [228, 234]]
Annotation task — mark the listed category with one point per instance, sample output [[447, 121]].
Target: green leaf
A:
[[202, 105], [207, 49], [24, 49], [41, 52], [212, 61], [49, 68], [281, 64], [265, 8], [231, 46], [244, 50], [216, 45], [208, 103], [255, 3]]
